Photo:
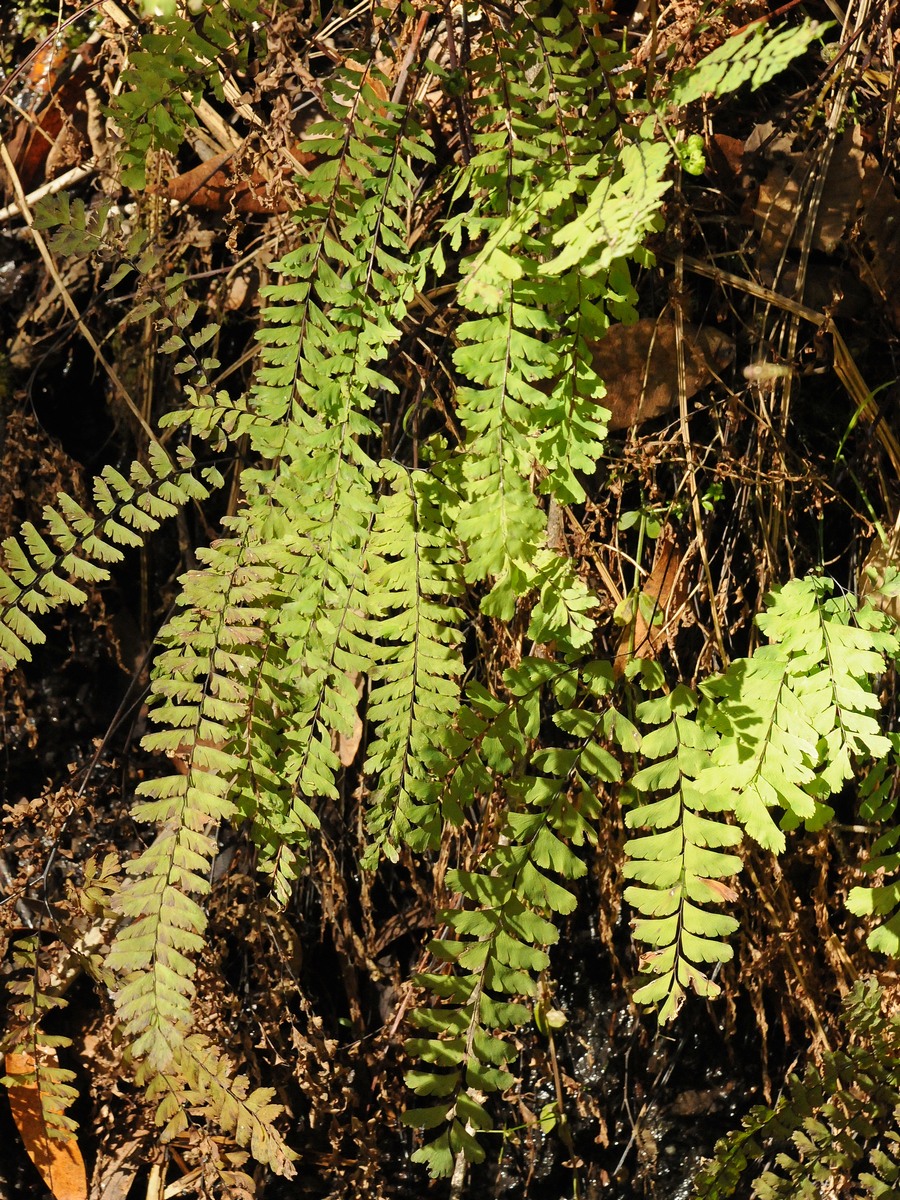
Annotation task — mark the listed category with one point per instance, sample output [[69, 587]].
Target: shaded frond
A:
[[42, 571]]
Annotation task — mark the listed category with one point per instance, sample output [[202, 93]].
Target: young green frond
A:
[[531, 394], [167, 77], [754, 55]]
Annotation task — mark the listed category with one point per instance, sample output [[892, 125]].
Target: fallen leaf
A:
[[113, 1177], [638, 365], [349, 746], [725, 893], [661, 598], [858, 204], [59, 1162], [51, 110], [726, 154], [880, 228], [217, 185]]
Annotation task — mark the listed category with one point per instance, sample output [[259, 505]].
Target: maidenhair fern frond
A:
[[40, 572], [835, 1122], [30, 1050], [412, 578], [203, 687], [792, 715], [502, 921], [200, 1081], [679, 861]]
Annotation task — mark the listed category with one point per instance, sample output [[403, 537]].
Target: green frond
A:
[[835, 1120], [202, 701], [621, 209], [37, 569], [501, 924], [680, 862], [24, 1038], [531, 403], [201, 1081], [878, 807], [794, 716], [167, 76], [412, 577], [754, 55]]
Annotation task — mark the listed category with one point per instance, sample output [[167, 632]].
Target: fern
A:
[[336, 565], [200, 1081], [167, 76], [780, 731], [318, 383], [501, 922], [415, 694], [792, 717], [254, 681], [38, 575], [835, 1124], [680, 866], [26, 1041], [151, 953], [754, 55], [878, 805], [528, 396], [621, 210], [208, 684]]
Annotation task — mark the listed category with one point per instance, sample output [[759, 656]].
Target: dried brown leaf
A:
[[638, 365], [662, 596], [59, 1162]]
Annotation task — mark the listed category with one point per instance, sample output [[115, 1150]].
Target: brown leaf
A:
[[726, 154], [881, 234], [638, 365], [181, 758], [54, 105], [218, 185], [725, 893], [662, 596], [349, 746], [779, 211], [59, 1162], [115, 1171], [858, 203]]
